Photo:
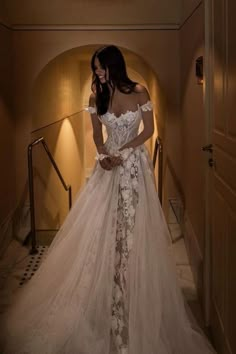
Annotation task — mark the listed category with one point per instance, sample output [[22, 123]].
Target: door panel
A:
[[223, 191], [231, 58], [218, 35], [231, 281], [218, 259], [225, 164]]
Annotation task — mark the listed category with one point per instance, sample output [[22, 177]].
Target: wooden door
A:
[[222, 53]]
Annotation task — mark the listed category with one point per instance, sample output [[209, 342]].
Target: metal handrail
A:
[[31, 186], [158, 149], [57, 121]]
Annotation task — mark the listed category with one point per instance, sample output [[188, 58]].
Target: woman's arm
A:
[[97, 127], [148, 122], [107, 163]]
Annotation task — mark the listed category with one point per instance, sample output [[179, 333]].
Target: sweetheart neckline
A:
[[145, 107], [120, 115]]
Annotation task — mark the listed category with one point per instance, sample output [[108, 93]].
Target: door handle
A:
[[211, 162], [208, 148]]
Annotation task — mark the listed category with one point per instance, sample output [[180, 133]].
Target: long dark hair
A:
[[111, 58]]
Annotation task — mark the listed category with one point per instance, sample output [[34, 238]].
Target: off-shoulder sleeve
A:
[[148, 106], [91, 110]]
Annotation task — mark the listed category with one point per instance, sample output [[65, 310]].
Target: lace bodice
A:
[[123, 128]]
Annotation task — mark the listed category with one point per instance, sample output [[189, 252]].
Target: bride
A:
[[108, 283]]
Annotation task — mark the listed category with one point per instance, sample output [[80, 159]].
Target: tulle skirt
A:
[[108, 284]]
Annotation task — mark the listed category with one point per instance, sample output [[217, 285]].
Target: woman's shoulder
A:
[[143, 94], [92, 99], [140, 88]]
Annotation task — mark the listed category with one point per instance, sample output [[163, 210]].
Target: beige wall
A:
[[7, 138], [193, 126], [93, 12], [7, 134], [56, 95], [3, 13], [97, 12]]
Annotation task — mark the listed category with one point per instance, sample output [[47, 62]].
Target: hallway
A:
[[184, 53]]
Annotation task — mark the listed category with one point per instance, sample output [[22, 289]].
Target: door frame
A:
[[208, 109]]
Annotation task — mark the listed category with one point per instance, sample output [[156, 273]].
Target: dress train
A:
[[108, 284]]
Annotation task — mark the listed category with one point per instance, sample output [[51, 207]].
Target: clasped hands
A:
[[108, 161]]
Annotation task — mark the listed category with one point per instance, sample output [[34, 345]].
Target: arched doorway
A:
[[61, 90]]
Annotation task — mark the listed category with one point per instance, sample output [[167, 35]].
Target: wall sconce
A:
[[199, 70]]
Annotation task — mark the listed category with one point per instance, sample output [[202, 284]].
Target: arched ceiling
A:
[[95, 12]]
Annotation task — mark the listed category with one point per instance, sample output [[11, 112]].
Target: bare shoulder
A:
[[92, 99], [143, 94], [140, 88]]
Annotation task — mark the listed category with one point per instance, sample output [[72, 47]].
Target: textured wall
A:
[[7, 141], [193, 130], [93, 12], [7, 134]]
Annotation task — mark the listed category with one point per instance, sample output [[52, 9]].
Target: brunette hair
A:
[[111, 58]]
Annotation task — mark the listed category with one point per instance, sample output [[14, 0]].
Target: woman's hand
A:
[[116, 161], [108, 163]]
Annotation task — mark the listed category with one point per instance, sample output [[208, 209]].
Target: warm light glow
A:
[[66, 142], [66, 95]]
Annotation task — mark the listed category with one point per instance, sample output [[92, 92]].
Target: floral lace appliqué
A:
[[91, 110], [127, 202], [147, 106]]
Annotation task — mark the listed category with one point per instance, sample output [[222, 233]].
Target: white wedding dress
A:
[[108, 284]]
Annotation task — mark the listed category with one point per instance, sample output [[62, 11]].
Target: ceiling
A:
[[95, 12]]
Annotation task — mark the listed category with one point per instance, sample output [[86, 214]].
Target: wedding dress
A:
[[108, 284]]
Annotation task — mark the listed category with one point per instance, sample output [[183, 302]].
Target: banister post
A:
[[31, 196]]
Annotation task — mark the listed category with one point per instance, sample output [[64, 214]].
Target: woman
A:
[[108, 284]]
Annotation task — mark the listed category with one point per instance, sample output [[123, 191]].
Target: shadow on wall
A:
[[61, 90]]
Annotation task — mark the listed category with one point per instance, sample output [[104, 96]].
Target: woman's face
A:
[[101, 73]]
